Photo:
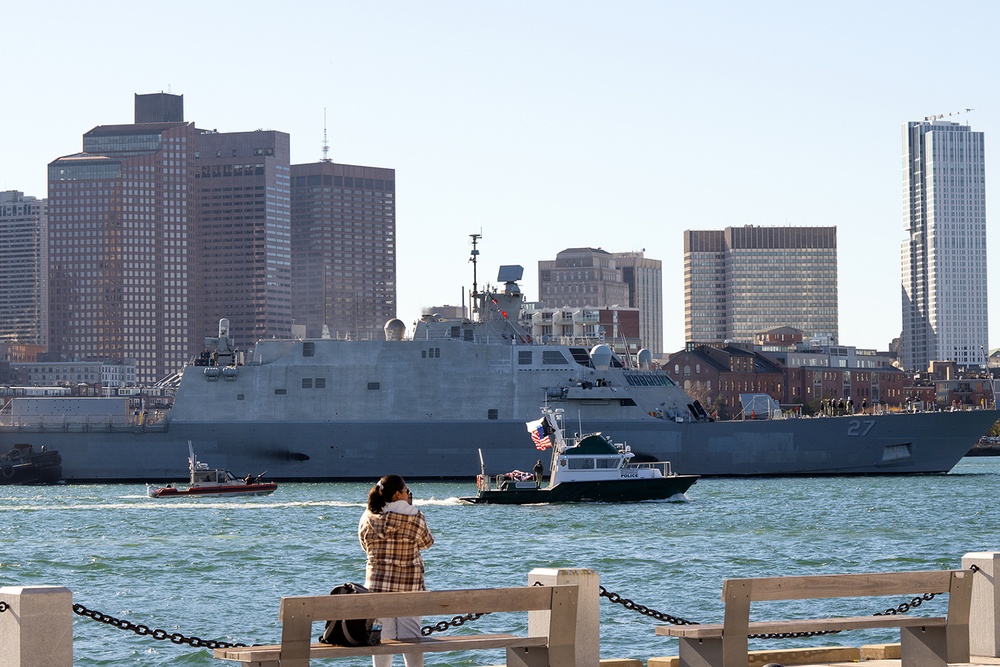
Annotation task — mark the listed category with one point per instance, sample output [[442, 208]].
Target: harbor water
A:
[[216, 568]]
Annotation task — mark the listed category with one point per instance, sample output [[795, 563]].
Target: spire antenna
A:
[[326, 144]]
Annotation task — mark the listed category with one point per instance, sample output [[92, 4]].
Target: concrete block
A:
[[881, 651], [984, 634], [588, 610], [621, 662], [37, 629], [789, 656]]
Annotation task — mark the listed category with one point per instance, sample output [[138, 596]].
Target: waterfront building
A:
[[594, 279], [70, 373], [618, 327], [23, 280], [944, 298], [743, 280], [241, 264], [716, 375], [157, 230], [343, 246], [802, 380], [118, 248]]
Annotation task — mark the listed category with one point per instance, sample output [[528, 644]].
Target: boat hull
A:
[[37, 468], [606, 491], [344, 450], [234, 491]]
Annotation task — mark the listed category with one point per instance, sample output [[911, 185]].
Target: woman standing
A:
[[392, 533]]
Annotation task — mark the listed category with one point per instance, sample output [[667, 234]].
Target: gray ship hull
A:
[[365, 450], [423, 408]]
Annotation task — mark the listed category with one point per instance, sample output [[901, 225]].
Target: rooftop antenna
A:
[[474, 258], [326, 144]]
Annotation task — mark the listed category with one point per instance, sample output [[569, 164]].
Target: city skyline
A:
[[546, 127]]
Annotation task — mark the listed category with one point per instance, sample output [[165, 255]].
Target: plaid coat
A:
[[393, 542]]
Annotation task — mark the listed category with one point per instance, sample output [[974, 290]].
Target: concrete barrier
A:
[[588, 610], [984, 640], [37, 628]]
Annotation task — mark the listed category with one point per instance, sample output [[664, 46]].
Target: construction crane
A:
[[945, 115]]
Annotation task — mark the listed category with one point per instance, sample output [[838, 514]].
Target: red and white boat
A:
[[212, 482]]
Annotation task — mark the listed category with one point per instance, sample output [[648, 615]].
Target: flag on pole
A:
[[539, 434]]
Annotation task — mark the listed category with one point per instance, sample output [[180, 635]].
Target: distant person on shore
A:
[[392, 532]]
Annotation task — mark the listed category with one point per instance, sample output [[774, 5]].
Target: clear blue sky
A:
[[546, 125]]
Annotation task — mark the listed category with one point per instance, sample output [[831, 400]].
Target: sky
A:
[[546, 125]]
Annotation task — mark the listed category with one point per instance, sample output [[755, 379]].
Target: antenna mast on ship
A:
[[474, 258]]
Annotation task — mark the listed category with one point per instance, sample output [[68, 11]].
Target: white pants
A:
[[400, 628]]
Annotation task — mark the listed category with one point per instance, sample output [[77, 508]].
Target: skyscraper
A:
[[343, 249], [23, 298], [744, 280], [241, 236], [157, 230], [118, 242], [944, 305]]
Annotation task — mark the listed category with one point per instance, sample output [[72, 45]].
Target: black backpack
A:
[[355, 631]]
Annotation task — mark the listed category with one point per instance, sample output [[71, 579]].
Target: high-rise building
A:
[[743, 280], [581, 277], [23, 252], [945, 315], [241, 251], [595, 278], [118, 243], [343, 249], [644, 278], [157, 230]]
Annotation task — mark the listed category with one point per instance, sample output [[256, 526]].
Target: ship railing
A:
[[77, 423]]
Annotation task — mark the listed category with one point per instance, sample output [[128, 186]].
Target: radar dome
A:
[[394, 329], [645, 359], [600, 356]]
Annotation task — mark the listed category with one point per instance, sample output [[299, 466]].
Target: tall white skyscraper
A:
[[945, 314]]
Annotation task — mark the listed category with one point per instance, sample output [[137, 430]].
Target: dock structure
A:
[[36, 626]]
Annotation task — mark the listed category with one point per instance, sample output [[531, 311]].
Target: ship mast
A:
[[474, 258]]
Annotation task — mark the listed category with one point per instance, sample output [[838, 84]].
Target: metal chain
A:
[[143, 630], [455, 621], [644, 610], [904, 607], [3, 606]]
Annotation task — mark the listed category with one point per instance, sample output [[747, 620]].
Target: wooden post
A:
[[588, 614], [984, 620], [37, 628]]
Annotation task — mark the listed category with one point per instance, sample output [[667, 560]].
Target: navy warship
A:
[[422, 404]]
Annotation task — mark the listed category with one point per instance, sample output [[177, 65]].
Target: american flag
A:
[[539, 434]]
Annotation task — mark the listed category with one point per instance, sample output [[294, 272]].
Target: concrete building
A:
[[343, 225], [50, 374], [742, 280], [945, 316], [597, 279], [23, 279], [644, 278], [615, 326]]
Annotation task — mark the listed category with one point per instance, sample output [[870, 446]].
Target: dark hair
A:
[[383, 491]]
